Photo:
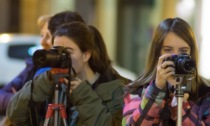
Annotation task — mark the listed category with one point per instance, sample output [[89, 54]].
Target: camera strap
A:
[[69, 104], [32, 108]]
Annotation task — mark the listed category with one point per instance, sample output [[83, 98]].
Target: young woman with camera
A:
[[156, 103], [95, 96]]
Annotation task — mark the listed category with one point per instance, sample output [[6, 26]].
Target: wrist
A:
[[154, 92], [159, 84]]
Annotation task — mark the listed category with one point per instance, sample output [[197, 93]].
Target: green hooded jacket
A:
[[99, 107]]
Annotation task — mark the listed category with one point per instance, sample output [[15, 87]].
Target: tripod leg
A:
[[64, 122], [49, 114], [63, 115], [46, 122]]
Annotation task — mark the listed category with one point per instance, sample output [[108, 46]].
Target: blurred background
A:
[[126, 25]]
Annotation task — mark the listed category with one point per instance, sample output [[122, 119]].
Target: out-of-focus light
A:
[[184, 8], [4, 38], [205, 44], [33, 49]]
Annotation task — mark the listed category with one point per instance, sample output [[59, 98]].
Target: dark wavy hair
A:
[[63, 18], [88, 38]]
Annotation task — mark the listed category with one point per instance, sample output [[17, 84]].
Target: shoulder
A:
[[125, 72], [202, 104], [204, 87], [112, 84], [110, 89], [41, 70], [204, 99], [29, 62]]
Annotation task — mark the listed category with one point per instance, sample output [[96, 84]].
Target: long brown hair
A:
[[108, 69], [182, 29]]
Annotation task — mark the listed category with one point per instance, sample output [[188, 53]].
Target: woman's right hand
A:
[[165, 69]]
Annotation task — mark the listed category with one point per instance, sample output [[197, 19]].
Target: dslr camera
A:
[[183, 64], [56, 57]]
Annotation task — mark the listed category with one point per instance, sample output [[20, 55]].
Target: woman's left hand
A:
[[74, 83]]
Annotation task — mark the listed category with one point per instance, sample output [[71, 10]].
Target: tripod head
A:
[[180, 90], [58, 74], [182, 80]]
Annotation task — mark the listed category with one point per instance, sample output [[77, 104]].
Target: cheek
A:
[[49, 42], [76, 64], [163, 52]]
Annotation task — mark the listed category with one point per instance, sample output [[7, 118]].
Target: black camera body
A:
[[56, 57], [183, 64]]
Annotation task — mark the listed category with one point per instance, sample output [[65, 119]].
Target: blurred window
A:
[[19, 51]]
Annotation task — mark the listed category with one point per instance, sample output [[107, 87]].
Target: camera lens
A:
[[187, 66], [39, 58]]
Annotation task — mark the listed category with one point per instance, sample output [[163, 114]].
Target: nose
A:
[[42, 41], [176, 52]]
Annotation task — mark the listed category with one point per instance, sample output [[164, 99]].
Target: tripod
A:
[[180, 89], [179, 94], [55, 108]]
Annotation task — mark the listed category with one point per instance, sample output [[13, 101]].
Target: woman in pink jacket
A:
[[173, 54]]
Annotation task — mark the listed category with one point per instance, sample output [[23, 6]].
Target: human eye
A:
[[167, 50], [70, 50], [184, 51]]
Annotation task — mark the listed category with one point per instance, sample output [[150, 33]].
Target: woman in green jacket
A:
[[95, 93]]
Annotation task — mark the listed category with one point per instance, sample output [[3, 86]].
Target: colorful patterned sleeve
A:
[[199, 113], [144, 110]]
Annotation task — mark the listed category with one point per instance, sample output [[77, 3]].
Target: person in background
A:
[[46, 42], [42, 23], [156, 103], [27, 74], [95, 92]]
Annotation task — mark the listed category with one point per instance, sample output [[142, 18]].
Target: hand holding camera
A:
[[183, 64], [163, 72], [170, 66], [74, 83]]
